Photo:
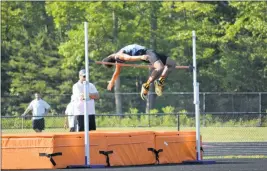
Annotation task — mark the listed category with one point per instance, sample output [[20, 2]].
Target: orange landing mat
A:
[[109, 148]]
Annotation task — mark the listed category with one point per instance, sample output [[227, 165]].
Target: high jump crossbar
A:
[[190, 67]]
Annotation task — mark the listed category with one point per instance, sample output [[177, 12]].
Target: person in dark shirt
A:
[[162, 66]]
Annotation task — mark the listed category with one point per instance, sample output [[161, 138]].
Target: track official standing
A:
[[79, 102]]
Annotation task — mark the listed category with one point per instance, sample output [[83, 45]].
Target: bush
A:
[[153, 116], [169, 118], [133, 119]]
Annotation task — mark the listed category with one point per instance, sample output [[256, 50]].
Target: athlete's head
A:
[[110, 59]]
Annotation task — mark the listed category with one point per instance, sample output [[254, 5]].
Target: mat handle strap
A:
[[106, 153], [50, 156], [201, 149], [156, 152]]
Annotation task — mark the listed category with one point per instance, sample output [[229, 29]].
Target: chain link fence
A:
[[232, 124], [110, 103], [172, 111]]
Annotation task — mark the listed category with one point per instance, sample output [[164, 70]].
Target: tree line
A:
[[42, 47]]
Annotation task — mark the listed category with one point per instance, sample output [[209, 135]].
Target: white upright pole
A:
[[196, 96], [86, 97]]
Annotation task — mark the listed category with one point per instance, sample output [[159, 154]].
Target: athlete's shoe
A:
[[144, 91], [158, 87]]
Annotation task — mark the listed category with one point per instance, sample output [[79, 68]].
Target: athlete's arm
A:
[[127, 57], [114, 77], [116, 73]]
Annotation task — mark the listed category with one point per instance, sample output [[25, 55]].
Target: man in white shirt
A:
[[78, 95], [39, 108], [71, 120]]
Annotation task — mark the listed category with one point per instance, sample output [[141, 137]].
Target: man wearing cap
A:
[[78, 100]]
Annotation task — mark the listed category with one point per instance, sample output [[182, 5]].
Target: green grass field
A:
[[209, 134]]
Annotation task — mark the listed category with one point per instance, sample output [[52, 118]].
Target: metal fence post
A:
[[178, 121], [204, 110], [149, 125], [260, 117], [22, 122], [233, 108]]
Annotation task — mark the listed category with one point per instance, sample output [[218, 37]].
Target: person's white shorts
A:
[[72, 119]]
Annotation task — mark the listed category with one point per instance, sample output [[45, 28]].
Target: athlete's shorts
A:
[[154, 56]]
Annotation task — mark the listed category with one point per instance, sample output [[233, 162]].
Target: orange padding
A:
[[128, 148]]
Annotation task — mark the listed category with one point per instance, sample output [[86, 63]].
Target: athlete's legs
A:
[[157, 71], [155, 74], [168, 68]]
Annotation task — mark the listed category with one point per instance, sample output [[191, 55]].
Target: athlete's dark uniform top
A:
[[137, 50]]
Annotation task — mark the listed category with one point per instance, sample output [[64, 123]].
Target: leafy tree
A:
[[33, 60], [43, 48], [244, 49]]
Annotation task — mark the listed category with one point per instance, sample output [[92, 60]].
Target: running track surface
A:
[[220, 165]]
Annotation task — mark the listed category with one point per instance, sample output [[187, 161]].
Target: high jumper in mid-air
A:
[[162, 65]]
